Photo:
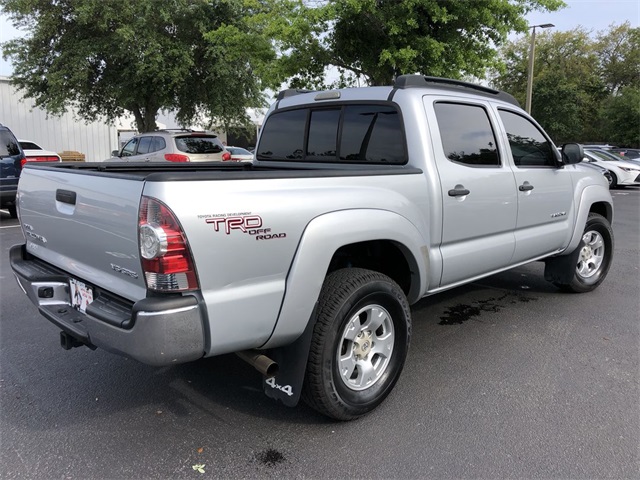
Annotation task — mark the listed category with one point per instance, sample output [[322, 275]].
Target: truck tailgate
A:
[[86, 225]]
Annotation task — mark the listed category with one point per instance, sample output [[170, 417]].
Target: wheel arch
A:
[[594, 199], [365, 238]]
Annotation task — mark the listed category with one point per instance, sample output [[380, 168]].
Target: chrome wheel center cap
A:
[[587, 253], [362, 344]]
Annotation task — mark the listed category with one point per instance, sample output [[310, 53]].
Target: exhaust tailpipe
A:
[[260, 362]]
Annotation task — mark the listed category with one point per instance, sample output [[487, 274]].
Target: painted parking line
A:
[[10, 226]]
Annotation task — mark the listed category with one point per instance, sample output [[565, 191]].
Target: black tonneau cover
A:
[[169, 172]]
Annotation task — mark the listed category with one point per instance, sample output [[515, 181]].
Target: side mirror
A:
[[572, 153], [115, 153]]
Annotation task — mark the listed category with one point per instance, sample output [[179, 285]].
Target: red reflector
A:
[[176, 157], [226, 156]]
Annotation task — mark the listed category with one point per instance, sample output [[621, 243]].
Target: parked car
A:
[[598, 168], [616, 156], [173, 146], [11, 160], [239, 154], [35, 153], [627, 153], [622, 172], [604, 146]]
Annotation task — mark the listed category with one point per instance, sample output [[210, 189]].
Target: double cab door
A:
[[505, 199]]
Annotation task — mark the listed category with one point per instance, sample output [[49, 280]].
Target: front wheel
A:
[[595, 253], [359, 345]]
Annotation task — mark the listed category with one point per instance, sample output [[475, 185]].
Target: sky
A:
[[593, 15]]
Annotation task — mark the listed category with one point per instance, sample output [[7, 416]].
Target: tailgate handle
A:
[[66, 196]]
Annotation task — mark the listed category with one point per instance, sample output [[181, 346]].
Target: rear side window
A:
[[529, 146], [348, 133], [467, 136], [157, 144], [199, 144], [8, 144]]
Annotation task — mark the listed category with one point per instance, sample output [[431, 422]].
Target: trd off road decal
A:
[[244, 222]]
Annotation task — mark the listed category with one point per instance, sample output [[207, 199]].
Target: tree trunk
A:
[[145, 118]]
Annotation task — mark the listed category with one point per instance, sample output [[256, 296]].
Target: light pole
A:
[[532, 50]]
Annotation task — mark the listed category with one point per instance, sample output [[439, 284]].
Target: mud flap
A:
[[562, 269], [286, 386]]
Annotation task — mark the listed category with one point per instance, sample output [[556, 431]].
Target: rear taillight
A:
[[226, 156], [164, 251], [176, 157], [42, 158]]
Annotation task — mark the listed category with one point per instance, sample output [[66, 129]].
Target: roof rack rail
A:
[[290, 92], [409, 81], [175, 130]]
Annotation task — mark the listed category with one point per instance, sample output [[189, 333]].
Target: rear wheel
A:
[[360, 342], [594, 257]]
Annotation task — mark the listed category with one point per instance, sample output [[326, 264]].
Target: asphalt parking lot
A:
[[506, 378]]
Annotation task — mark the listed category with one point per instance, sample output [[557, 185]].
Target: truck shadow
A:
[[492, 294]]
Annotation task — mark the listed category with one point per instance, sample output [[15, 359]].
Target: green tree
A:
[[618, 51], [199, 58], [583, 86], [375, 40], [620, 117], [567, 85]]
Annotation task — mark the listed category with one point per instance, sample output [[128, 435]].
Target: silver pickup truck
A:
[[360, 202]]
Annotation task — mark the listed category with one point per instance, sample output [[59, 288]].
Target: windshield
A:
[[239, 151], [608, 157], [199, 144], [29, 146]]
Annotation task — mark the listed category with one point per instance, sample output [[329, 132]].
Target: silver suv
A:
[[173, 146]]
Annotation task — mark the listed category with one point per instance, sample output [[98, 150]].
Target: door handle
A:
[[459, 191], [525, 187], [66, 196]]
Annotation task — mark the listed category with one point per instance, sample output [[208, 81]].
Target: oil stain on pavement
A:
[[458, 314], [271, 457]]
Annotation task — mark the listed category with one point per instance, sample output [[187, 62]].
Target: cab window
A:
[[529, 146], [467, 135], [341, 133]]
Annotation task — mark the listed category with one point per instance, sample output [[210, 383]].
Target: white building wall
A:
[[96, 140]]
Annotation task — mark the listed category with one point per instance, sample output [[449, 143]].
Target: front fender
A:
[[591, 195], [323, 236]]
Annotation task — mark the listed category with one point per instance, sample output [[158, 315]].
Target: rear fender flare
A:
[[323, 236]]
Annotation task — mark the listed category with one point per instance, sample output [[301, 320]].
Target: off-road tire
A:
[[594, 257], [375, 298]]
